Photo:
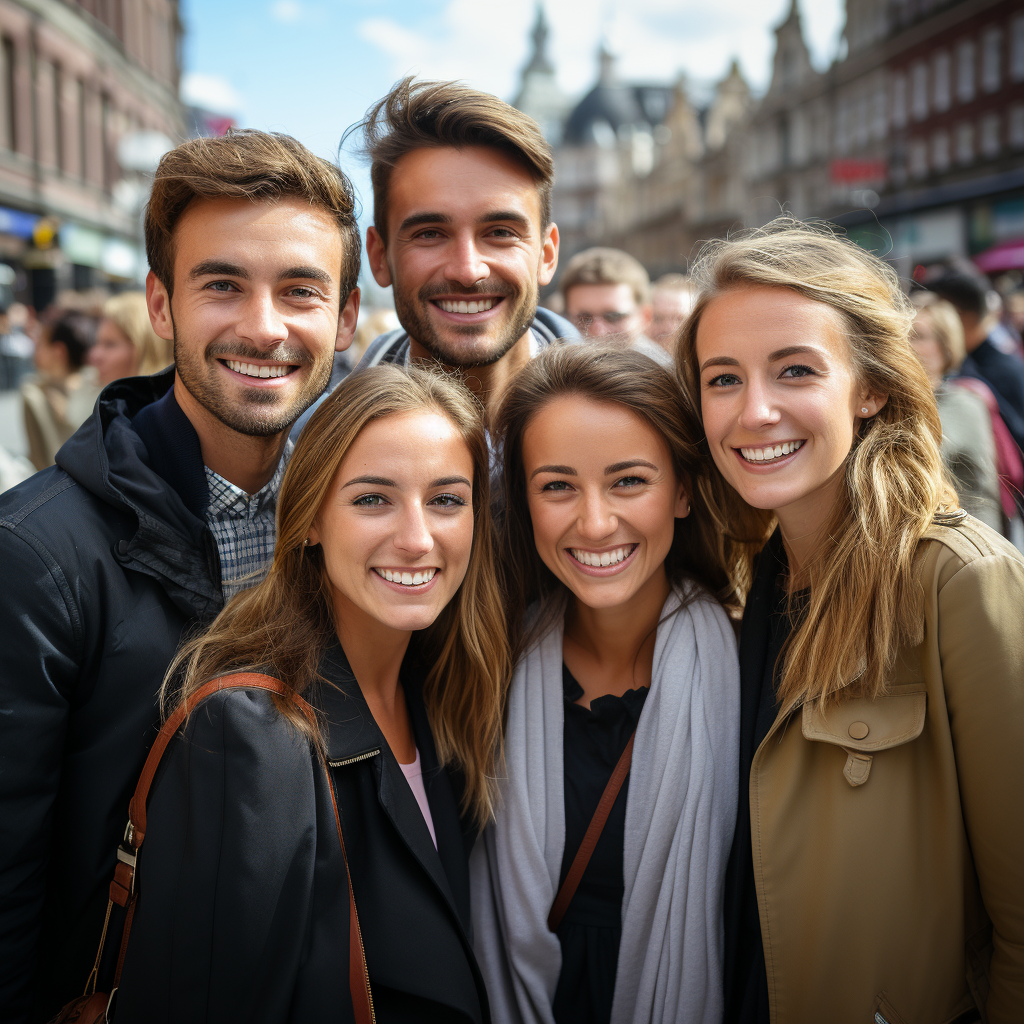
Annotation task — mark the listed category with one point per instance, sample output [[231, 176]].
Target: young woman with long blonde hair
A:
[[381, 611], [876, 872]]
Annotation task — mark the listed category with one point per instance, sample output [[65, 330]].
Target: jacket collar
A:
[[353, 736]]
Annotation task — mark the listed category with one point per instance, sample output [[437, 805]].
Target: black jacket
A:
[[243, 902], [104, 566], [1003, 372]]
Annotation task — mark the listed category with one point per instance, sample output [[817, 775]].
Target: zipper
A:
[[879, 1019], [366, 970], [366, 755]]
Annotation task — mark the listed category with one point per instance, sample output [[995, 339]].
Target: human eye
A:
[[447, 501], [305, 291], [630, 481], [428, 235], [370, 501], [723, 380], [798, 370], [556, 485], [503, 231], [222, 286]]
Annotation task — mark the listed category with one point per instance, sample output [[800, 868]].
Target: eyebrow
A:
[[382, 481], [782, 353], [221, 268], [615, 467], [560, 470], [515, 216], [416, 219]]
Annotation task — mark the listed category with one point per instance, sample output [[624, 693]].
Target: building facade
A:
[[75, 79]]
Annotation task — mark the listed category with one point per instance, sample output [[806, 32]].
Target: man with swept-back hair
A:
[[159, 509], [462, 231]]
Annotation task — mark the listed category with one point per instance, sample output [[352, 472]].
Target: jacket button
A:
[[859, 730], [122, 548]]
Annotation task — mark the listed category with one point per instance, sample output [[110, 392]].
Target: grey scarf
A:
[[680, 816]]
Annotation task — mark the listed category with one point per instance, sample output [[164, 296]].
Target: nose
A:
[[465, 265], [261, 321], [759, 408], [413, 537], [596, 521]]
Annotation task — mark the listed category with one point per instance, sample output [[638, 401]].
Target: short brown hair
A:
[[247, 164], [421, 115], [607, 266]]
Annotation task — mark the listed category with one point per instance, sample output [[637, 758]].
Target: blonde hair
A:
[[284, 624], [129, 313], [862, 605], [946, 326]]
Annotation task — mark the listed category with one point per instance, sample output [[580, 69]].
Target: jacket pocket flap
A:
[[868, 725]]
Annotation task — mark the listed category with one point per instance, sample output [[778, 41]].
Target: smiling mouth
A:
[[262, 371], [602, 559], [466, 305], [418, 578], [771, 452]]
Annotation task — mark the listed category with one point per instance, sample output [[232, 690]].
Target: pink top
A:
[[414, 776]]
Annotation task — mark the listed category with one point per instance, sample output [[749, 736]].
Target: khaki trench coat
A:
[[888, 834]]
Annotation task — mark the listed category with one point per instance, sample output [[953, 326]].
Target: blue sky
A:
[[311, 67]]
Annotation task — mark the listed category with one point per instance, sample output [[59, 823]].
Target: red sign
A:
[[853, 172]]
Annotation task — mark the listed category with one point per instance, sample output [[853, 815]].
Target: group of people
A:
[[518, 678]]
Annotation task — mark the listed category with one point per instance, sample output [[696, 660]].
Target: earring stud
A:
[[305, 543], [864, 409]]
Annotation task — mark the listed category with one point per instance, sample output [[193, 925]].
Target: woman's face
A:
[[112, 353], [603, 498], [926, 344], [780, 399], [396, 526]]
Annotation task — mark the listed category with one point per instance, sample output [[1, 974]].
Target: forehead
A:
[[751, 321], [597, 297], [264, 235], [464, 184], [579, 431], [415, 443]]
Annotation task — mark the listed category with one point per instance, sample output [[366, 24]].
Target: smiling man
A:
[[160, 508], [462, 231]]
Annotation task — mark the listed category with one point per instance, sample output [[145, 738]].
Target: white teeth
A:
[[770, 452], [466, 307], [602, 558], [252, 370], [407, 579]]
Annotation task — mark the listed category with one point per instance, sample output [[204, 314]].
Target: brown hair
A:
[[419, 115], [285, 623], [947, 327], [130, 314], [863, 602], [606, 266], [647, 390], [247, 164]]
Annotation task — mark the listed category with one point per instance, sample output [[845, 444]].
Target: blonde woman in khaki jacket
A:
[[878, 868]]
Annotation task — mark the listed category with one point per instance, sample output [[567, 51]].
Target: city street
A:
[[12, 424]]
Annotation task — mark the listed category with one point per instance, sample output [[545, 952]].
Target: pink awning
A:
[[1007, 256]]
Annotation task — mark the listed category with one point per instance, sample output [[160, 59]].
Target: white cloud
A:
[[211, 92], [287, 11], [394, 40]]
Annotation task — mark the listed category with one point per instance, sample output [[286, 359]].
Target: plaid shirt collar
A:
[[230, 502]]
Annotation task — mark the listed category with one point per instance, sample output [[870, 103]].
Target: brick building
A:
[[75, 77]]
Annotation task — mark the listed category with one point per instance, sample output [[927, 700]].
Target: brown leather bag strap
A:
[[593, 833], [122, 888]]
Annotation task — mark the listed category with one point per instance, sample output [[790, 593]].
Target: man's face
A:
[[608, 312], [670, 306], [255, 310], [465, 252]]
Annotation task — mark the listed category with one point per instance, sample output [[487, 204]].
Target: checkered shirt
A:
[[243, 526]]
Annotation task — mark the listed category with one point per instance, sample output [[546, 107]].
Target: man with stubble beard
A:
[[462, 232], [159, 509]]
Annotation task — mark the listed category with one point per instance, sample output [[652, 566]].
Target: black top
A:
[[1003, 372], [593, 741], [766, 628]]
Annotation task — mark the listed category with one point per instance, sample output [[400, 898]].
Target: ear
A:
[[646, 315], [314, 536], [377, 257], [347, 321], [159, 303], [682, 509], [869, 405], [548, 255]]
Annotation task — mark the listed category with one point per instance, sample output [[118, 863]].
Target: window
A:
[[940, 85], [58, 117], [918, 158], [1016, 132], [919, 91], [83, 152], [991, 72], [990, 145], [940, 151], [878, 119], [965, 143], [1017, 49], [965, 72], [10, 138], [899, 100]]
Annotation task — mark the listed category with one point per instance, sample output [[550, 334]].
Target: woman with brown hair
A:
[[622, 717], [243, 912], [875, 873]]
